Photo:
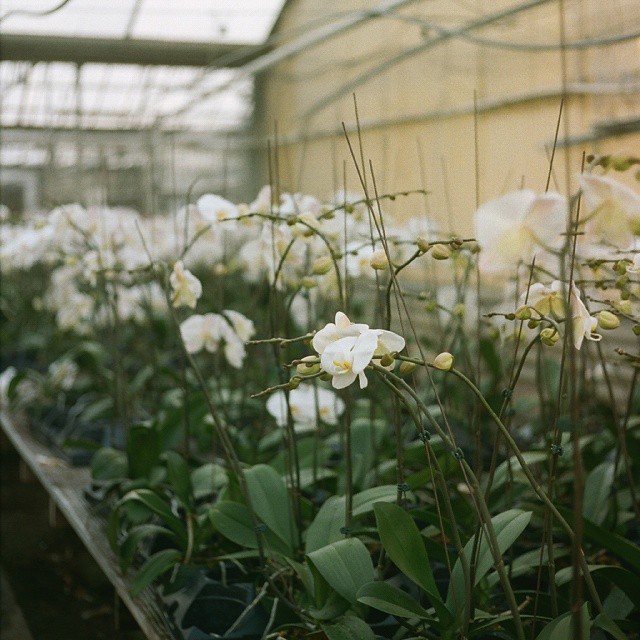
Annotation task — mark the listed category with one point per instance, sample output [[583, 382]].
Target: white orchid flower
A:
[[544, 299], [584, 324], [388, 343], [333, 331], [242, 325], [202, 332], [303, 403], [346, 359], [510, 228], [215, 208], [612, 211], [185, 287], [634, 267]]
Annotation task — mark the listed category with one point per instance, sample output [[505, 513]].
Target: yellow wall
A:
[[427, 100]]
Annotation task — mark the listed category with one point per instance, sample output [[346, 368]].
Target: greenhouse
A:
[[320, 320]]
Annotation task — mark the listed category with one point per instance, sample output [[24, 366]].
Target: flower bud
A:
[[523, 313], [423, 244], [443, 361], [532, 324], [407, 368], [386, 360], [326, 377], [459, 310], [431, 306], [379, 260], [308, 282], [322, 265], [624, 306], [549, 336], [220, 269], [440, 252], [294, 382], [621, 163], [607, 320], [636, 329], [309, 366]]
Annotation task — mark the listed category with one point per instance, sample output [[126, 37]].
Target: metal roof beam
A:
[[82, 50]]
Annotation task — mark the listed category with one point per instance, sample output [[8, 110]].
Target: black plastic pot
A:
[[198, 606]]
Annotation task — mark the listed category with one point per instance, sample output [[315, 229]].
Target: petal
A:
[[344, 380], [342, 321], [497, 216], [325, 337], [362, 378], [547, 219], [392, 342], [191, 331], [364, 349]]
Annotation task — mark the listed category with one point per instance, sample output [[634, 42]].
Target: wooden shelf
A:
[[65, 485]]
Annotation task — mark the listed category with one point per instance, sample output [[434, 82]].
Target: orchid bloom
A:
[[185, 287], [634, 267], [208, 332], [242, 325], [612, 211], [545, 300], [511, 227], [307, 405], [584, 324], [333, 331], [215, 208], [346, 359]]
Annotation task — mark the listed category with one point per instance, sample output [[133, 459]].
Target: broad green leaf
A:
[[208, 480], [620, 576], [133, 539], [562, 628], [109, 464], [179, 476], [507, 526], [604, 622], [345, 565], [270, 501], [348, 628], [143, 450], [389, 599], [609, 540], [597, 490], [157, 505], [403, 543], [502, 471], [233, 521], [156, 565], [363, 502], [326, 526]]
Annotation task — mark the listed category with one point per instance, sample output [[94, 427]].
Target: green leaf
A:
[[108, 464], [345, 565], [502, 471], [270, 501], [348, 628], [233, 521], [179, 476], [134, 537], [154, 503], [604, 622], [326, 526], [389, 599], [156, 565], [609, 540], [620, 576], [143, 450], [208, 479], [363, 502], [507, 526], [401, 539], [597, 491], [562, 628]]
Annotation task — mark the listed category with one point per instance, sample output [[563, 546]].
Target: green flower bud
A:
[[440, 252], [379, 260], [326, 377], [624, 306], [308, 282], [443, 361], [294, 382], [407, 368], [523, 313], [387, 360], [549, 336], [309, 366], [607, 320], [636, 329], [423, 244], [322, 265]]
